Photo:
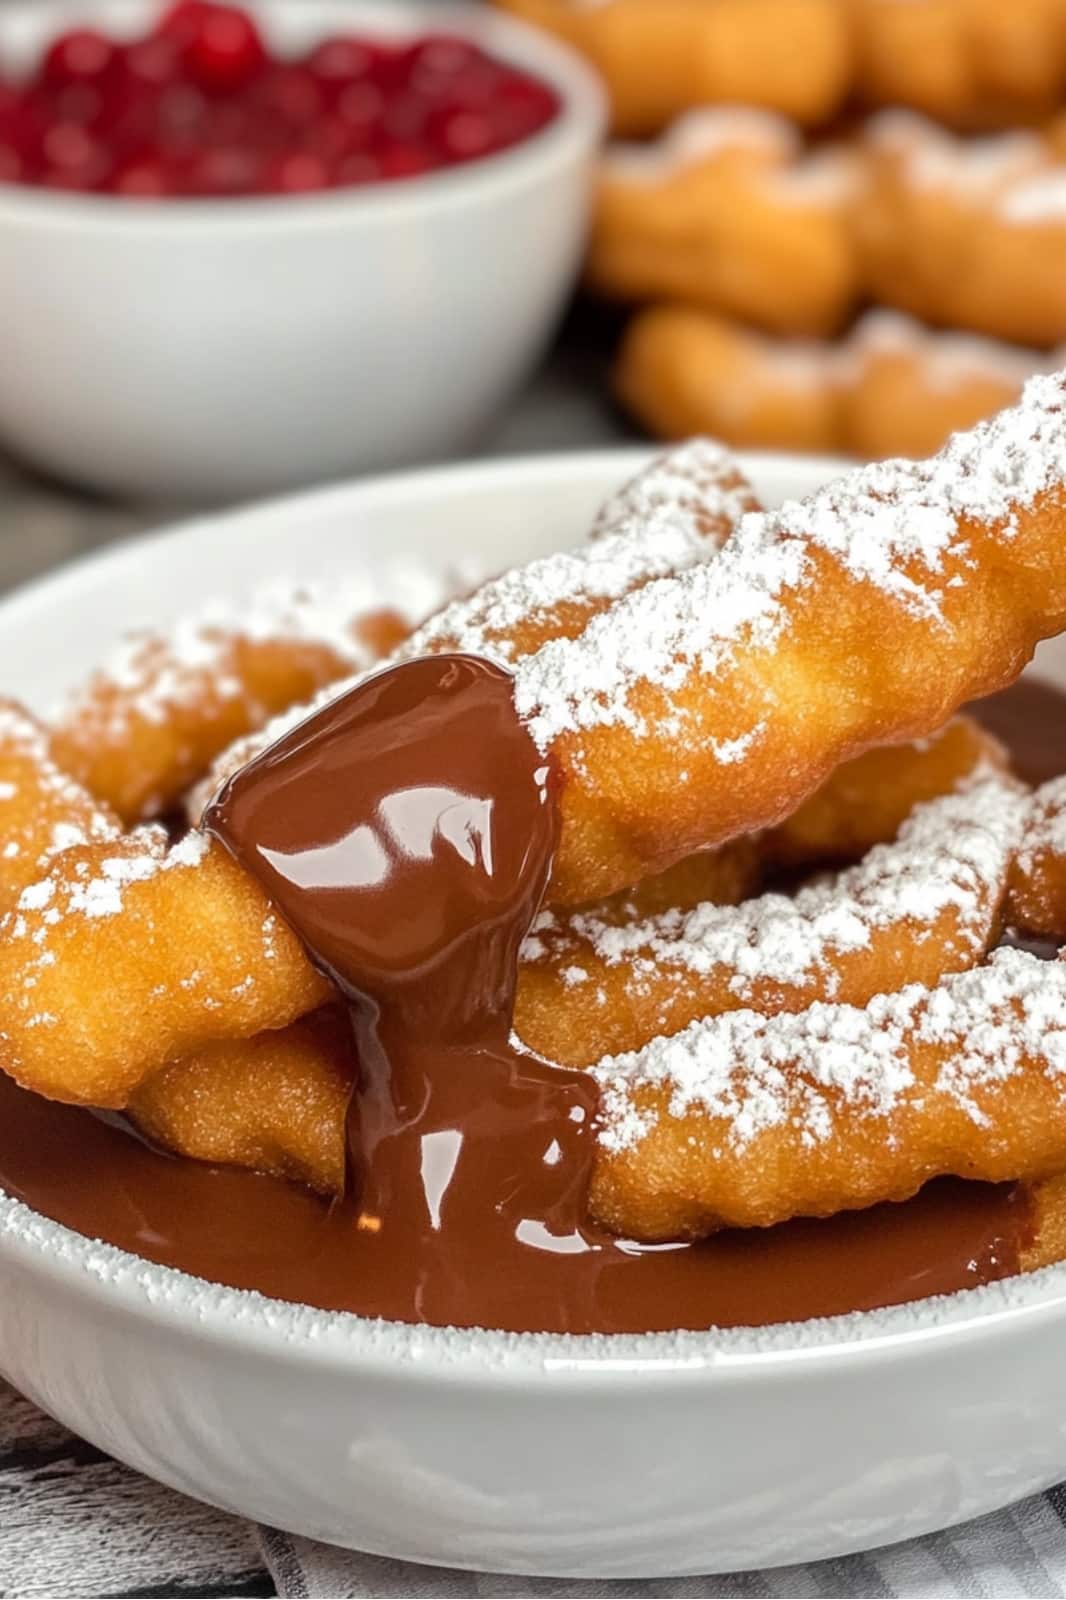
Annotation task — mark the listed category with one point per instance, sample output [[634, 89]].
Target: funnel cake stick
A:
[[711, 703], [912, 911], [152, 719], [1037, 904], [745, 1120]]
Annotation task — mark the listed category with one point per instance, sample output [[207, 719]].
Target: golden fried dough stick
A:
[[1037, 899], [892, 387], [866, 801], [698, 483], [672, 515], [42, 810], [152, 719], [723, 877], [711, 703], [120, 959], [1047, 1239], [745, 1121], [658, 57], [963, 233], [968, 63], [911, 911], [728, 212], [275, 1103]]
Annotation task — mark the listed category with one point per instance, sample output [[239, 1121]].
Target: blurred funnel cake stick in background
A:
[[972, 64], [891, 387]]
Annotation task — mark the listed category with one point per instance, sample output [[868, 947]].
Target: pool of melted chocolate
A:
[[468, 1159]]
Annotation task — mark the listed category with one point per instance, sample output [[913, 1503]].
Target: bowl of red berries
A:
[[243, 247]]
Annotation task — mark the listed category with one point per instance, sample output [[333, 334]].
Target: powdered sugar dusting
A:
[[148, 675], [894, 525], [78, 819], [951, 856], [697, 487], [933, 158], [757, 1073], [1046, 828], [700, 135]]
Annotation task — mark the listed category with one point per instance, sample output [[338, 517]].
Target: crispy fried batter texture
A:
[[120, 959], [150, 722], [275, 1102], [42, 810], [729, 213], [912, 911], [713, 702], [866, 801], [890, 388], [1037, 902], [744, 1120]]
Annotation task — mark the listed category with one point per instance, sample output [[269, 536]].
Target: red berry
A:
[[146, 179], [73, 159], [359, 108], [13, 167], [436, 61], [181, 118], [404, 160], [463, 135], [298, 173], [226, 52], [227, 170], [291, 95], [80, 56], [341, 60], [360, 167], [78, 102], [153, 62], [182, 20]]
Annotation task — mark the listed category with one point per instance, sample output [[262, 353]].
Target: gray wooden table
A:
[[72, 1521]]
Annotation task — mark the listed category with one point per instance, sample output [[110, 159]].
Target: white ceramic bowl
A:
[[656, 1454], [206, 349]]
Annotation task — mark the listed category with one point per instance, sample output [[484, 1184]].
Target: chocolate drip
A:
[[406, 833]]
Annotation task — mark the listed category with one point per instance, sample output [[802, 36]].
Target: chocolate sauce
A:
[[406, 833]]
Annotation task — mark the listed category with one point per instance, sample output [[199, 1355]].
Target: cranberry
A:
[[80, 56], [183, 20], [359, 108], [297, 173], [463, 135], [198, 107], [291, 95], [336, 62], [226, 51], [13, 168], [152, 63], [398, 160], [181, 118], [73, 158], [78, 102], [226, 170], [360, 167], [147, 179]]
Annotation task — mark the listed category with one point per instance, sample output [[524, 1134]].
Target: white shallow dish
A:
[[209, 349], [594, 1457]]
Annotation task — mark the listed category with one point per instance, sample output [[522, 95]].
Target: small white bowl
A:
[[208, 349], [653, 1454]]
